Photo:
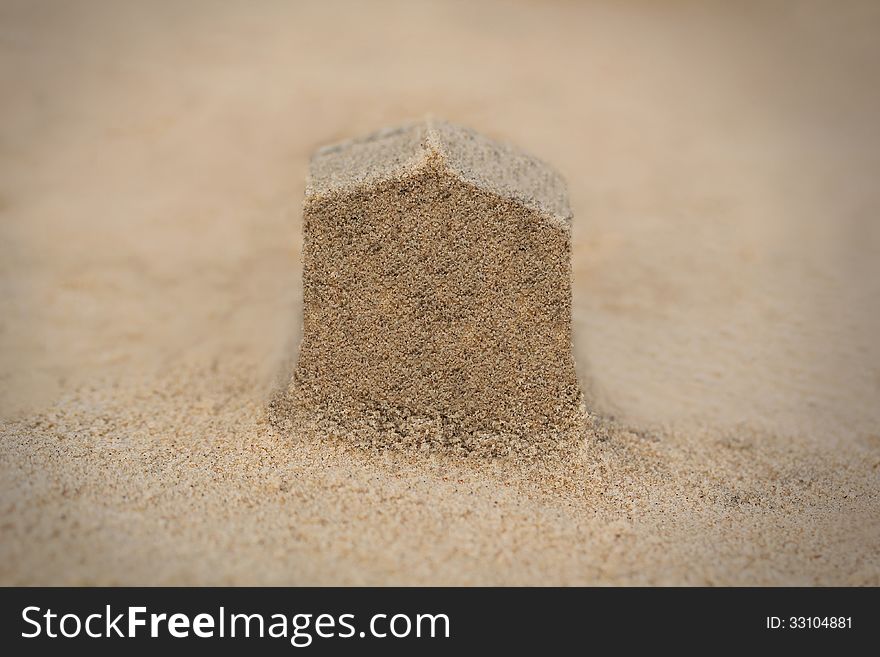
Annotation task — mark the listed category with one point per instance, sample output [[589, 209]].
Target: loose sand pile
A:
[[722, 166], [437, 297]]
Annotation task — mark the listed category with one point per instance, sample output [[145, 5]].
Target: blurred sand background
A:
[[723, 163]]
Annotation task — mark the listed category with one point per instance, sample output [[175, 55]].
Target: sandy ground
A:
[[723, 165]]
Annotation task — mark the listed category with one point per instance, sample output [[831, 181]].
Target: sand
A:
[[722, 166], [436, 297]]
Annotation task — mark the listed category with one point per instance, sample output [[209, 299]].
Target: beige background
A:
[[722, 161]]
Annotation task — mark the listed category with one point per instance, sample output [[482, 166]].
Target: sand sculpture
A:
[[437, 295]]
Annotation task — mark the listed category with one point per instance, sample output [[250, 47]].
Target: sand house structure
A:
[[436, 295]]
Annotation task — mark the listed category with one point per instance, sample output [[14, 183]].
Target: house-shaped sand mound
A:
[[436, 295]]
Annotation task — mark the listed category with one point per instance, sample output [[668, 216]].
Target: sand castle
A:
[[437, 295]]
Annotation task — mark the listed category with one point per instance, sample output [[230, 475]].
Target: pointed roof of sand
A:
[[395, 153]]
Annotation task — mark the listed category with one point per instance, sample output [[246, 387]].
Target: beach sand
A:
[[722, 165]]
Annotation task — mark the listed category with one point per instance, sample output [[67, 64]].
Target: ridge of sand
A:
[[399, 152]]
